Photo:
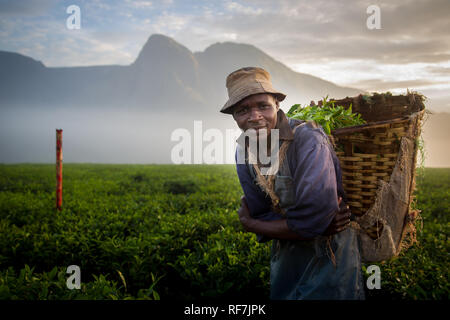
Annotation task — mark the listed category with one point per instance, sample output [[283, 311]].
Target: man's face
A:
[[256, 112]]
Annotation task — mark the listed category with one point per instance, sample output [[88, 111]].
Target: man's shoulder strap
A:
[[294, 124]]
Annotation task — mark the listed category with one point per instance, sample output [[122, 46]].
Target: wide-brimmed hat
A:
[[246, 82]]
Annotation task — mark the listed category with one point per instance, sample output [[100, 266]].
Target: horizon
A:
[[336, 46], [154, 164]]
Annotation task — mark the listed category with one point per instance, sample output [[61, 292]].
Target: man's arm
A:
[[278, 229]]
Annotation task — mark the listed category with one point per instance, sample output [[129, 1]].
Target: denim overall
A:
[[304, 269]]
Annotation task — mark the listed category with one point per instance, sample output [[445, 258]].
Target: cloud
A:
[[292, 31], [442, 71], [383, 85], [25, 8], [412, 31], [244, 10], [139, 4], [168, 23]]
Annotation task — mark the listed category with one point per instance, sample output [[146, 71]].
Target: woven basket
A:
[[378, 162], [369, 152]]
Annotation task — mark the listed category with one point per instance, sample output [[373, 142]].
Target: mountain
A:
[[19, 76], [167, 71], [165, 76], [219, 59], [129, 113], [27, 82]]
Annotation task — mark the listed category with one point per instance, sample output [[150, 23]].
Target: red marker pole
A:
[[59, 158]]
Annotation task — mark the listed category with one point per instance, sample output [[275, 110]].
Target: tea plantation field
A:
[[171, 232]]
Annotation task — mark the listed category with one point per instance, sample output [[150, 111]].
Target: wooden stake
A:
[[59, 158]]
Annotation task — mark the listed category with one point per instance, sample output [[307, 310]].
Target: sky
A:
[[328, 39]]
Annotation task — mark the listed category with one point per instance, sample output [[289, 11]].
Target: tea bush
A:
[[170, 232]]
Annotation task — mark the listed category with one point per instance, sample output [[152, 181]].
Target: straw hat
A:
[[246, 82]]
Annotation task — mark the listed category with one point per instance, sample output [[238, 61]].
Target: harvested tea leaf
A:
[[329, 116]]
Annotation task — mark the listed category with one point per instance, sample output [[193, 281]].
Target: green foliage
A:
[[133, 239], [328, 115], [29, 285], [180, 187]]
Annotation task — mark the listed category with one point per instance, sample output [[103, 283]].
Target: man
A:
[[314, 255]]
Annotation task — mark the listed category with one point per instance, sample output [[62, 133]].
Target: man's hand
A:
[[244, 214], [340, 221], [278, 229]]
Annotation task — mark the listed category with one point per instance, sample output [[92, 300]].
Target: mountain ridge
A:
[[164, 73]]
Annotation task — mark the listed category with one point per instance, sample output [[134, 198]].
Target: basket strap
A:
[[268, 183]]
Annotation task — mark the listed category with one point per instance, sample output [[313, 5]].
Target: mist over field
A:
[[91, 135], [127, 114]]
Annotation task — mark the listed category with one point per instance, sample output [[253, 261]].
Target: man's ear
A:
[[277, 103]]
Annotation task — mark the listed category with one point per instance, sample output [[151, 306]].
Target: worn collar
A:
[[285, 131], [284, 127]]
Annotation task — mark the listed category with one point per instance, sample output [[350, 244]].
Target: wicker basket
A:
[[369, 152], [378, 162]]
